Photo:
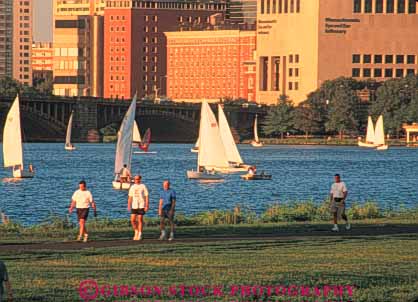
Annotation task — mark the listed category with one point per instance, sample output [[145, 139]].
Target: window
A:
[[412, 7], [292, 6], [390, 6], [262, 7], [367, 73], [296, 72], [290, 58], [290, 86], [298, 11], [399, 59], [286, 4], [399, 73], [296, 58], [388, 72], [379, 6], [280, 6], [401, 6], [356, 59], [378, 59], [268, 6], [296, 85], [274, 7], [377, 72], [410, 59], [367, 59], [410, 72], [290, 72], [368, 6], [389, 59], [355, 73]]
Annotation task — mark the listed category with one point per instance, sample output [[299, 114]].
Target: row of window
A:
[[279, 6], [388, 59], [293, 85], [117, 78], [117, 28], [68, 52], [385, 6], [380, 72]]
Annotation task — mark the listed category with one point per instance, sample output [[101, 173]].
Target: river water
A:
[[299, 173]]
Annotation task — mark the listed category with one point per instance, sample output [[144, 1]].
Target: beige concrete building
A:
[[16, 40], [78, 47], [302, 43], [22, 41]]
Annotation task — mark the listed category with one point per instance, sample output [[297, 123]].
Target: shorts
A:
[[83, 213], [137, 211], [166, 212], [337, 206]]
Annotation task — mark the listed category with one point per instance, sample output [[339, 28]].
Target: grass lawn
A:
[[376, 257]]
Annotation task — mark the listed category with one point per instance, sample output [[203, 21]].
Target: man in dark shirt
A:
[[4, 278]]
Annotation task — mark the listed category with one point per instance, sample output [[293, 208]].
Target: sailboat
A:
[[256, 142], [143, 143], [136, 135], [68, 145], [124, 147], [370, 135], [234, 158], [211, 153], [379, 139], [12, 143], [195, 149]]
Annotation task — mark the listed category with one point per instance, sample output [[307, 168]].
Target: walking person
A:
[[338, 195], [82, 200], [4, 280], [166, 209], [138, 205]]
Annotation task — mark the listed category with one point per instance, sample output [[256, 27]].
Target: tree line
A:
[[336, 108], [10, 87]]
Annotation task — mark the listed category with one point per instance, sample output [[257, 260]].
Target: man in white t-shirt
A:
[[338, 195], [81, 200], [138, 204]]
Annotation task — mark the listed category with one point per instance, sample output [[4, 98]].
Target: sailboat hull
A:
[[194, 150], [23, 174], [366, 145], [229, 169], [203, 175], [257, 144], [117, 185], [70, 148], [382, 147]]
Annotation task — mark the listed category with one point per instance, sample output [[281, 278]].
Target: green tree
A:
[[397, 101], [343, 110], [279, 119], [306, 119]]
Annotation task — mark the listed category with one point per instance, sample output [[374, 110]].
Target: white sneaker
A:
[[135, 235], [171, 238], [335, 228], [348, 226], [162, 236], [79, 238], [139, 236], [86, 237]]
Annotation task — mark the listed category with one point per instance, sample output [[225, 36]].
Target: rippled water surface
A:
[[299, 173]]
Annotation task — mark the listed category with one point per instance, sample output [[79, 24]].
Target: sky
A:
[[42, 20]]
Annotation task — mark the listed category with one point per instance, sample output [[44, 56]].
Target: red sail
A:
[[146, 140]]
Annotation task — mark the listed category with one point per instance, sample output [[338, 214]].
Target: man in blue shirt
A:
[[166, 209]]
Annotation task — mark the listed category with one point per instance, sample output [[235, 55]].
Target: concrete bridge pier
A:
[[85, 122]]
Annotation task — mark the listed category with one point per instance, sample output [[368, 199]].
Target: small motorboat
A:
[[261, 176]]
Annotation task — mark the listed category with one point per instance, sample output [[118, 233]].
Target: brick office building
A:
[[211, 65], [135, 45]]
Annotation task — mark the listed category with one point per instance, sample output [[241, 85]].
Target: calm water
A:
[[299, 173]]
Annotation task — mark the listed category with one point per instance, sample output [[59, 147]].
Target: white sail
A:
[[256, 129], [69, 127], [125, 135], [370, 131], [211, 149], [197, 143], [12, 137], [136, 135], [231, 149], [379, 138]]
